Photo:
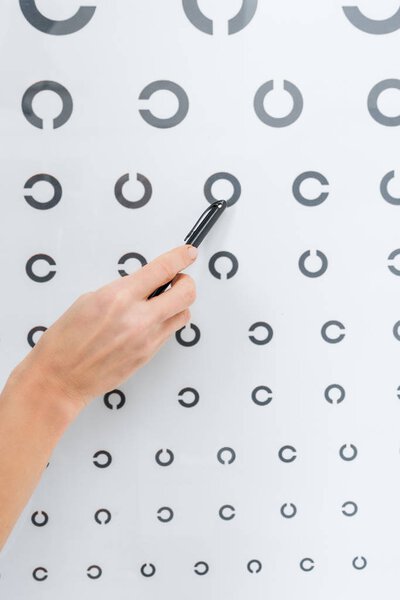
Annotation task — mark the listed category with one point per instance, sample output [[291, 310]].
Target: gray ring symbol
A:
[[36, 576], [265, 117], [230, 451], [359, 20], [56, 187], [282, 450], [349, 504], [286, 514], [148, 573], [261, 402], [192, 342], [396, 330], [168, 461], [165, 84], [308, 560], [119, 404], [201, 563], [235, 24], [384, 189], [39, 523], [392, 256], [308, 273], [221, 512], [233, 270], [268, 327], [186, 403], [30, 263], [118, 192], [32, 332], [334, 386], [257, 564], [126, 257], [363, 562], [95, 575], [237, 188], [58, 89], [351, 456], [98, 513], [79, 20], [372, 102], [168, 510], [102, 453], [325, 336], [309, 175]]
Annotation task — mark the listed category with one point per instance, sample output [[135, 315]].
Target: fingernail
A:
[[192, 251]]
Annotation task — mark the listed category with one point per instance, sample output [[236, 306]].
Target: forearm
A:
[[33, 416]]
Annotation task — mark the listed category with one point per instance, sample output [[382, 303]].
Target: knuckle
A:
[[189, 290]]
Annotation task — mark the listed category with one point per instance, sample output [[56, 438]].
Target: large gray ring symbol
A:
[[203, 564], [396, 332], [230, 452], [392, 256], [42, 23], [303, 562], [309, 175], [35, 520], [121, 399], [372, 102], [36, 571], [257, 400], [232, 271], [119, 194], [193, 341], [128, 255], [267, 326], [32, 332], [384, 189], [148, 573], [97, 572], [166, 462], [286, 514], [257, 566], [334, 386], [381, 26], [41, 86], [282, 450], [352, 456], [30, 263], [102, 453], [168, 510], [235, 24], [357, 565], [56, 187], [98, 518], [320, 271], [265, 117], [187, 403], [164, 84], [221, 512], [351, 504], [237, 189], [332, 340]]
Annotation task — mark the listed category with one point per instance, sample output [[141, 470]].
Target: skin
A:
[[95, 346]]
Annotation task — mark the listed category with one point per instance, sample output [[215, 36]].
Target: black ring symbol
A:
[[257, 564], [255, 392], [392, 256], [193, 341], [99, 512], [396, 330], [58, 89], [363, 562], [230, 451], [282, 450], [56, 188], [235, 24], [265, 117], [287, 515], [169, 511], [186, 403], [349, 504], [36, 575], [119, 194], [306, 271], [384, 189], [232, 271], [183, 100], [102, 453], [94, 575], [203, 564], [269, 333], [359, 20], [168, 461], [352, 456], [126, 257], [332, 340], [30, 263], [79, 20], [32, 332], [221, 512], [237, 188], [309, 175], [334, 386], [120, 402], [39, 523], [148, 574], [308, 560], [372, 102]]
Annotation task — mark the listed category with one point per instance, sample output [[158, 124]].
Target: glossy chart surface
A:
[[257, 455]]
